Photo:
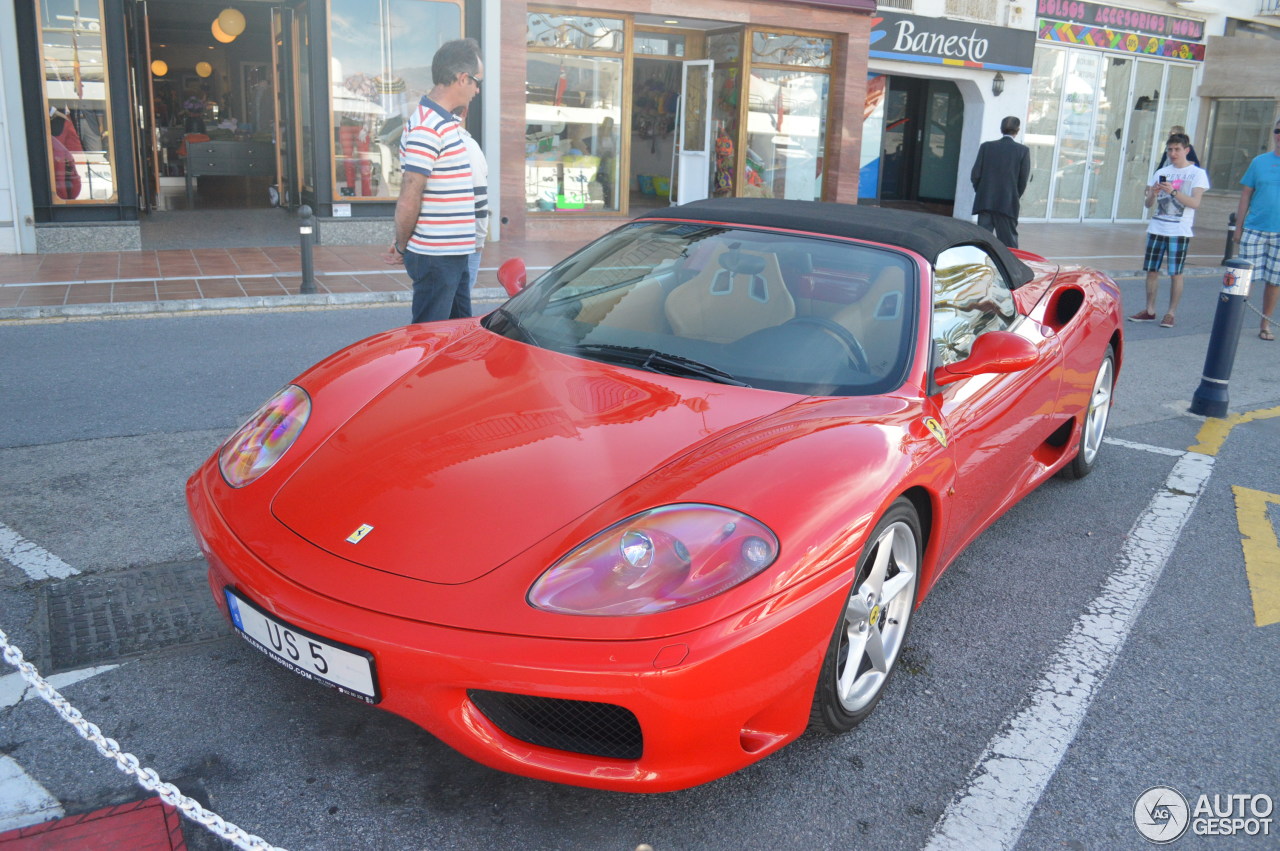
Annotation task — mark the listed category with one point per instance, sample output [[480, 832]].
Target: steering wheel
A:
[[857, 354]]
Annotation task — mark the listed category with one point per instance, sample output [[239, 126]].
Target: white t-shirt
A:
[[1169, 217], [479, 182]]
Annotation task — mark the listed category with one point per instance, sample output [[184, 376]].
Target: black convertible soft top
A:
[[924, 233]]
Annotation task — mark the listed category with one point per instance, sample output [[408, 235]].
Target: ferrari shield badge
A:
[[935, 429], [358, 535]]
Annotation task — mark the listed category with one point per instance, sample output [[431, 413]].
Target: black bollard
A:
[[1230, 248], [306, 230], [1210, 398]]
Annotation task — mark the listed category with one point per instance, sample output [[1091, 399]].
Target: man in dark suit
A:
[[999, 177]]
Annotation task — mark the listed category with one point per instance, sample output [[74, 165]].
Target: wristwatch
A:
[[397, 249]]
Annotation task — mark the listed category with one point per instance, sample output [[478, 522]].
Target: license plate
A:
[[339, 666]]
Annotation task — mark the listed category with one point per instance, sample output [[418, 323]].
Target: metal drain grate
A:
[[98, 619]]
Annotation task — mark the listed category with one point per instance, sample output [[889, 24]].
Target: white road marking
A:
[[32, 559], [1011, 775], [23, 801], [1144, 447], [14, 689]]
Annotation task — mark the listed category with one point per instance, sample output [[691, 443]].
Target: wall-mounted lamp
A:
[[159, 67], [997, 84]]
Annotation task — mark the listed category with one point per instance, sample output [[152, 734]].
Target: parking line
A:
[[32, 559], [1215, 429], [1261, 552], [991, 811], [23, 801]]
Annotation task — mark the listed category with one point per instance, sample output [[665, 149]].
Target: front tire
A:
[[1095, 420], [873, 626]]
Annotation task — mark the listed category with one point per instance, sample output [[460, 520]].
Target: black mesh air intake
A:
[[579, 726]]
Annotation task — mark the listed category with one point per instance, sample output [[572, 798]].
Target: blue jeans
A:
[[462, 302], [439, 281]]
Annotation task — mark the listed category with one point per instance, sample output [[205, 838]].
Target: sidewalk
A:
[[53, 286]]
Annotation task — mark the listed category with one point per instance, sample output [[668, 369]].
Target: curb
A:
[[318, 301]]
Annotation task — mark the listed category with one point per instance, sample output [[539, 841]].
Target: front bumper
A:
[[707, 702]]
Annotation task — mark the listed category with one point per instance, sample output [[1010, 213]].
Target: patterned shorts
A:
[[1262, 249], [1158, 246]]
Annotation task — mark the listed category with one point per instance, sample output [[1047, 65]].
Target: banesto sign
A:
[[916, 39]]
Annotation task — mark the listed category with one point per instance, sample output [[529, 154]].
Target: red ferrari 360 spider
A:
[[674, 502]]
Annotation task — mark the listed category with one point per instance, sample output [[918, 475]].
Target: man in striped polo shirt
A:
[[436, 210]]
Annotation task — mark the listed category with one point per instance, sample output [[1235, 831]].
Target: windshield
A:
[[807, 315]]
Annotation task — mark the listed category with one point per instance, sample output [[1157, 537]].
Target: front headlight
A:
[[261, 441], [655, 561]]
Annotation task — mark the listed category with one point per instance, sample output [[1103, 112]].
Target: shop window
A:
[[660, 44], [573, 112], [77, 102], [725, 48], [786, 116], [1240, 130], [771, 48], [380, 67], [575, 32], [786, 126]]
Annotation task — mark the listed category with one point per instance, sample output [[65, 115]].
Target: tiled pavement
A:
[[45, 286]]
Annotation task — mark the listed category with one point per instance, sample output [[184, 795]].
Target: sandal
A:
[[1264, 334]]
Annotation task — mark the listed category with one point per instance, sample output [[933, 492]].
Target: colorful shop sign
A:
[[1117, 17], [1126, 42], [937, 41]]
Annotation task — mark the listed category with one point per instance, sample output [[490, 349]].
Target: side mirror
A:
[[513, 276], [993, 352]]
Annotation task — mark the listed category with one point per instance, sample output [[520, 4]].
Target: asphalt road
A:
[[103, 421]]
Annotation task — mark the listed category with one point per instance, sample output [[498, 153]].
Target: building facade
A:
[[117, 113], [120, 111]]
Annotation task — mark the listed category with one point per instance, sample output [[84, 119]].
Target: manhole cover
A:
[[95, 620]]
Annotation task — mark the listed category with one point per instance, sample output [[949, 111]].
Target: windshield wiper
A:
[[506, 320], [656, 361]]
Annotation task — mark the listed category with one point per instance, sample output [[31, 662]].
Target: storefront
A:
[[936, 89], [140, 109], [1108, 85], [626, 111], [157, 106]]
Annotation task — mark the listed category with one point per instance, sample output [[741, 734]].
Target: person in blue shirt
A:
[[1258, 226]]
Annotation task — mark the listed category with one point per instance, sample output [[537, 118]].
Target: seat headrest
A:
[[741, 264]]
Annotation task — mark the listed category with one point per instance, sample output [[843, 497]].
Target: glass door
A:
[[940, 152], [692, 176], [146, 146], [1075, 130], [283, 112]]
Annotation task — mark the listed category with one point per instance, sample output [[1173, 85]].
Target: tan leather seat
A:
[[737, 294], [639, 309], [876, 318]]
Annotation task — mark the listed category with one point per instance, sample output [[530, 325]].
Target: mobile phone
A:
[[1164, 179]]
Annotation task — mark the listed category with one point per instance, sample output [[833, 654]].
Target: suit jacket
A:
[[1000, 176]]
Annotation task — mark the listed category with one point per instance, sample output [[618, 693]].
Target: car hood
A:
[[490, 446]]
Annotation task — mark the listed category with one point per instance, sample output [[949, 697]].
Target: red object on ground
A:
[[149, 825]]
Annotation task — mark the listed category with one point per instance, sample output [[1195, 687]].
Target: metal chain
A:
[[1261, 315], [127, 762]]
